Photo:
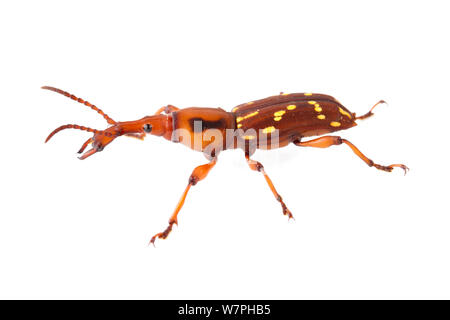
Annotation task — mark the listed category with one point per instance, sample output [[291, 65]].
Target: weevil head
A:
[[156, 125], [159, 125]]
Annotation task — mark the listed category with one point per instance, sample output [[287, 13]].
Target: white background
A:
[[79, 229]]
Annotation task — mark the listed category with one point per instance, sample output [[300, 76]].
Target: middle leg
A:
[[257, 166]]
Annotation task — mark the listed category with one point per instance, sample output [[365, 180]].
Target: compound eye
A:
[[148, 128]]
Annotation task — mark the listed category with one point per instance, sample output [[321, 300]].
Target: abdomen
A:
[[294, 115]]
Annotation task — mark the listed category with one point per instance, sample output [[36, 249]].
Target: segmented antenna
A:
[[75, 126], [86, 103]]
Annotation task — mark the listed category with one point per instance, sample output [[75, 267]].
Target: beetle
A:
[[267, 123]]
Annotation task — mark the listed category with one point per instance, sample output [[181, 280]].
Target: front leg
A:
[[139, 136], [257, 166], [197, 175]]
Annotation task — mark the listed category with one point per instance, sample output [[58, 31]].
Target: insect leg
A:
[[139, 136], [370, 113], [197, 175], [257, 166], [328, 141], [167, 109]]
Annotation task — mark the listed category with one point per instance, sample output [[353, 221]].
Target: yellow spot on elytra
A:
[[249, 137], [251, 102], [308, 94], [291, 107], [321, 116], [269, 129], [335, 124], [239, 119], [239, 125], [234, 109], [312, 102], [345, 113], [279, 113], [318, 108], [277, 118], [284, 93], [251, 114]]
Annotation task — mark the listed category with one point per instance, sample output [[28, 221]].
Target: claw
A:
[[391, 167], [286, 211], [290, 216], [402, 166], [165, 233], [152, 240]]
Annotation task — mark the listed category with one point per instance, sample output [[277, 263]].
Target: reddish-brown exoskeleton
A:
[[268, 123]]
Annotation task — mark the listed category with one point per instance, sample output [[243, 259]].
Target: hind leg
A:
[[370, 113], [328, 141]]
